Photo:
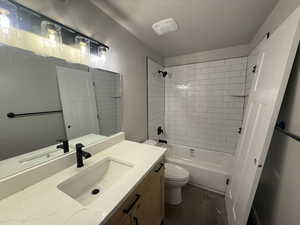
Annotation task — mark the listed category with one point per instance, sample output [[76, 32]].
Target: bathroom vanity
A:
[[122, 183], [145, 205]]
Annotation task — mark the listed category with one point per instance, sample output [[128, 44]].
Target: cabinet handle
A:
[[137, 197], [136, 220], [159, 168]]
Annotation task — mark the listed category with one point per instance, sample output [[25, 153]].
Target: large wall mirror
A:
[[44, 100]]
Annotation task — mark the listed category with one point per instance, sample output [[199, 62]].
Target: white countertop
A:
[[44, 204]]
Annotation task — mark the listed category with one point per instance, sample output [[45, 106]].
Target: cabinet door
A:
[[123, 216], [125, 220], [142, 214], [157, 203], [150, 210]]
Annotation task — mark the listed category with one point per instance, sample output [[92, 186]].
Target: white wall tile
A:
[[200, 110]]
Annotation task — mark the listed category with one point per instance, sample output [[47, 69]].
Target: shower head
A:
[[163, 73]]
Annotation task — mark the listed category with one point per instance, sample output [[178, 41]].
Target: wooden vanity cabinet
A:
[[145, 205]]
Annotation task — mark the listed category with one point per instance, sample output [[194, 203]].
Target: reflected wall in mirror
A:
[[45, 99]]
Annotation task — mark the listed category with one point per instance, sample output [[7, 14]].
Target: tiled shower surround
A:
[[204, 104]]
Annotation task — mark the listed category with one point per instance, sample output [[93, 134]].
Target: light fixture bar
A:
[[58, 23]]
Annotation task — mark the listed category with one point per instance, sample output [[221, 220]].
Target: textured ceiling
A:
[[203, 24]]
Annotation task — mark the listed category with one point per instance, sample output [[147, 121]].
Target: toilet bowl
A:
[[175, 178]]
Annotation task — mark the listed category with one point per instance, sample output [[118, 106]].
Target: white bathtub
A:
[[208, 169]]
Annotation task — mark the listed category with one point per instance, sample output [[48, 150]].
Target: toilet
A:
[[175, 178]]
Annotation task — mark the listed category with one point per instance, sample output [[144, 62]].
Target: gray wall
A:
[[127, 55], [277, 199]]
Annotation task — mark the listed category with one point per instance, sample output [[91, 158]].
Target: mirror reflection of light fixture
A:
[[83, 44], [52, 34]]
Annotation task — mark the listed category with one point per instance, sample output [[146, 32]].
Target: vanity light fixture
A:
[[83, 44], [97, 59], [52, 34], [55, 35]]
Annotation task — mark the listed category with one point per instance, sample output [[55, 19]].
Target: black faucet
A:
[[80, 154], [64, 145]]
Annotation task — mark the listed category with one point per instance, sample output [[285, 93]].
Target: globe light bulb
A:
[[4, 21], [83, 47]]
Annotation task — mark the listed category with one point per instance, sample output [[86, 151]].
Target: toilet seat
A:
[[175, 173]]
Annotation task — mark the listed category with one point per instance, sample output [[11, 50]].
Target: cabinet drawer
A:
[[123, 214]]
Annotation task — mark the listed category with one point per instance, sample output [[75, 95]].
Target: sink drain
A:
[[95, 191]]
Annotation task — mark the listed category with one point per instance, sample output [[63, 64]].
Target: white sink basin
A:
[[88, 185]]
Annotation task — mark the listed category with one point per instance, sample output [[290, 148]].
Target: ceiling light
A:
[[165, 26]]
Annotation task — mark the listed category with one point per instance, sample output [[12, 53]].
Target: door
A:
[[108, 98], [275, 58], [78, 102]]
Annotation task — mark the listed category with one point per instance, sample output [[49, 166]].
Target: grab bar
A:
[[14, 115], [280, 126]]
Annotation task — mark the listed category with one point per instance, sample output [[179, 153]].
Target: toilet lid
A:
[[174, 172]]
